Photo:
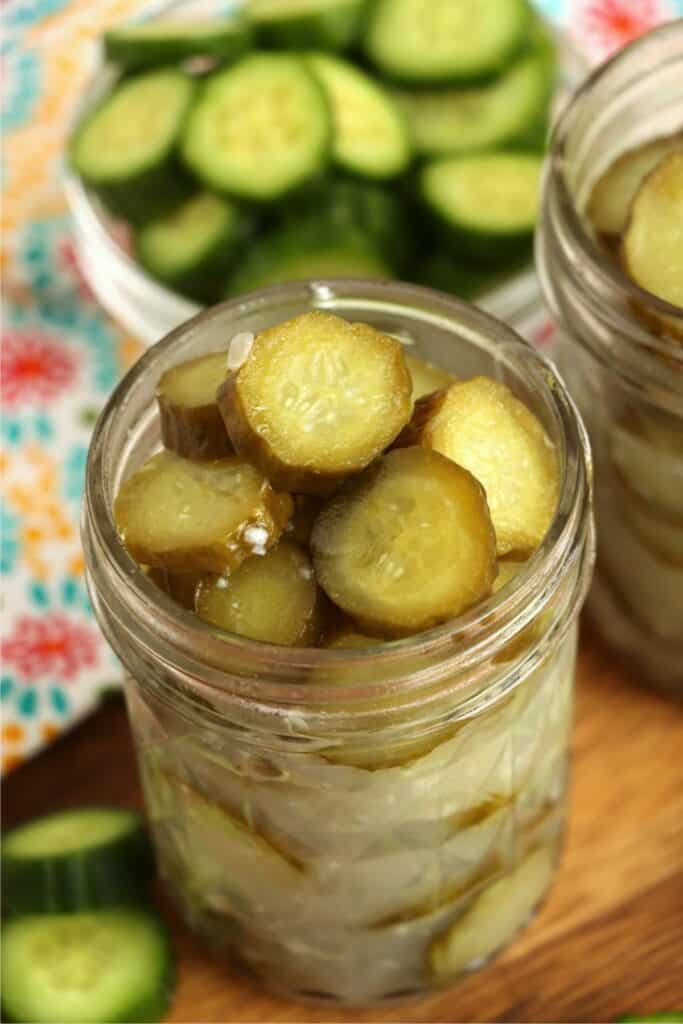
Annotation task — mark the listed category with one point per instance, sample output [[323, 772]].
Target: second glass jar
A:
[[627, 379]]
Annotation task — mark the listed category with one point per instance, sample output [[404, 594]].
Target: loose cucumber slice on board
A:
[[192, 248], [125, 149], [654, 1018], [260, 129], [459, 120], [445, 41], [75, 860], [307, 24], [485, 205], [169, 41], [307, 249], [114, 965], [370, 133]]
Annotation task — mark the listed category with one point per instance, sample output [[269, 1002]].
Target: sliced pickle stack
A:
[[636, 211], [321, 487]]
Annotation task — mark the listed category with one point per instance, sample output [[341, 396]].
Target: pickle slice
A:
[[407, 545], [316, 399], [492, 920], [306, 509], [427, 377], [652, 248], [198, 516], [613, 193], [191, 423], [482, 426], [350, 639], [181, 586], [272, 599]]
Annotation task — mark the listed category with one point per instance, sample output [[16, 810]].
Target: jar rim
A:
[[615, 281], [478, 632]]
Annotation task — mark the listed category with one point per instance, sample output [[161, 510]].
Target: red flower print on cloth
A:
[[50, 645], [34, 367], [607, 25]]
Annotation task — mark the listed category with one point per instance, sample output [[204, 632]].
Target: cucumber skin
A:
[[204, 283], [148, 1010], [135, 55], [487, 248], [115, 873], [153, 194], [347, 205], [455, 78], [465, 280], [292, 242], [334, 30]]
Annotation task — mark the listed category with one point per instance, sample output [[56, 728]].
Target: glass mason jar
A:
[[626, 379], [366, 841]]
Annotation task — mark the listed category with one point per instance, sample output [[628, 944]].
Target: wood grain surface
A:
[[609, 940]]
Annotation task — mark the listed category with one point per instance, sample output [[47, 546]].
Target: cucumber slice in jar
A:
[[169, 41], [428, 42], [427, 377], [454, 121], [407, 545], [316, 399], [652, 248], [181, 586], [274, 599], [198, 516], [485, 205], [493, 919], [612, 195], [113, 965], [308, 249], [480, 425], [191, 423], [125, 149], [370, 133], [75, 860], [260, 129], [307, 24], [192, 248]]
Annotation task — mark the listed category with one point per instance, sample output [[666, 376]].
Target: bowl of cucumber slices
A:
[[221, 148]]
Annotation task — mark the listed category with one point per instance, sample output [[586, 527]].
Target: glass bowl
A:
[[148, 309]]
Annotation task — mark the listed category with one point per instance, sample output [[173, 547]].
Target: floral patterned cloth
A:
[[61, 356]]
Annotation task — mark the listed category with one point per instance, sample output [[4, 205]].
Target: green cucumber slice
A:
[[370, 132], [260, 129], [169, 41], [307, 24], [450, 121], [350, 206], [307, 250], [125, 149], [193, 248], [675, 1017], [445, 41], [75, 860], [114, 965], [485, 205], [447, 273]]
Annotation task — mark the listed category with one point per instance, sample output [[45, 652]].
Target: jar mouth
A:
[[471, 639], [617, 286]]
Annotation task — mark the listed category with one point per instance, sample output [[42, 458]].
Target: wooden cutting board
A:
[[609, 941]]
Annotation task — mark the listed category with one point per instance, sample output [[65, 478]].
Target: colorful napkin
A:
[[61, 356]]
